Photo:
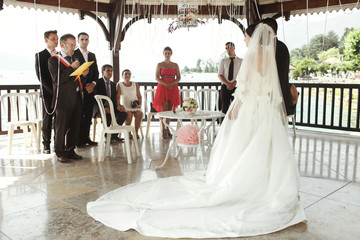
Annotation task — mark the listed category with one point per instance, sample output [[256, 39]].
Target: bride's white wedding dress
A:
[[251, 185]]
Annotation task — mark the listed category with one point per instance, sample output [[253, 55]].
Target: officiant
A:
[[68, 101]]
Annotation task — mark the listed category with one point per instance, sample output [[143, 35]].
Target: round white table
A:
[[199, 115]]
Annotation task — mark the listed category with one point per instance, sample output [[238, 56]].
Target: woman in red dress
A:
[[167, 95]]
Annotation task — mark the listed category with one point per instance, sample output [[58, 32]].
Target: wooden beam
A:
[[96, 18], [116, 18], [300, 5], [78, 4], [128, 25]]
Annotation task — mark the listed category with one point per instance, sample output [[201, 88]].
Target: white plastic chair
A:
[[292, 116], [96, 123], [186, 93], [149, 96], [114, 128], [37, 115], [208, 100], [16, 108]]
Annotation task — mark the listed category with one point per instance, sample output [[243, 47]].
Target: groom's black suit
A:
[[283, 62]]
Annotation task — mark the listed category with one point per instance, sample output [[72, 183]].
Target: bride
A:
[[251, 185]]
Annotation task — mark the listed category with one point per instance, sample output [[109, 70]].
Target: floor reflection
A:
[[41, 198]]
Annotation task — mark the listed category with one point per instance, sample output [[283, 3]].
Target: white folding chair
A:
[[16, 108], [114, 128], [208, 100], [149, 96], [37, 115]]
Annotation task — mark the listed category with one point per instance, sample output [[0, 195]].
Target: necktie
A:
[[108, 92], [231, 69], [69, 59], [53, 52]]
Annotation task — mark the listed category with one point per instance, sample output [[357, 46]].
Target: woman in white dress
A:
[[251, 185], [129, 96]]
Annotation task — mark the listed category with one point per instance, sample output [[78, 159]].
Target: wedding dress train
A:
[[251, 185]]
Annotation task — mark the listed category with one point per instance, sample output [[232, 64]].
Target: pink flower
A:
[[188, 135]]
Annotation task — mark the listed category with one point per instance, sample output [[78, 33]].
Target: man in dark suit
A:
[[83, 55], [108, 88], [43, 74], [282, 62], [68, 102]]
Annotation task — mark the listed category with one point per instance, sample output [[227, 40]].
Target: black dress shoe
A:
[[81, 145], [117, 139], [91, 143], [64, 159], [73, 155], [46, 150]]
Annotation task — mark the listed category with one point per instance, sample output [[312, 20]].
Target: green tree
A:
[[198, 62], [296, 55], [304, 68], [330, 53], [331, 40], [323, 68], [207, 69], [317, 44], [352, 48], [342, 40], [186, 69]]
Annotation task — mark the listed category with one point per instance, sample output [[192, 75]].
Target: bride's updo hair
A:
[[250, 30], [167, 49]]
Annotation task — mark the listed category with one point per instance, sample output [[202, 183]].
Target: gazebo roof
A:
[[207, 8]]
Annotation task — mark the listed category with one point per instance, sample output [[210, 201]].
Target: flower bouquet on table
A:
[[189, 106]]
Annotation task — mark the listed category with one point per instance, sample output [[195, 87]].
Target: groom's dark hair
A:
[[270, 22]]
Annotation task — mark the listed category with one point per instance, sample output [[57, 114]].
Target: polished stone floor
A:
[[41, 198]]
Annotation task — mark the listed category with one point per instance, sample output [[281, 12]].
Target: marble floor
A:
[[41, 198]]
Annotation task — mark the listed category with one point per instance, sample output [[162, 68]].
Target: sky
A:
[[142, 48]]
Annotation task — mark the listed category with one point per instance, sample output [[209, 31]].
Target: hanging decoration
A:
[[187, 17]]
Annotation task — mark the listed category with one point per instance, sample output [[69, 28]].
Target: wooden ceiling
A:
[[207, 8]]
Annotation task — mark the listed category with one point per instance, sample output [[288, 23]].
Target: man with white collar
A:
[[68, 100], [83, 55], [228, 70], [46, 87]]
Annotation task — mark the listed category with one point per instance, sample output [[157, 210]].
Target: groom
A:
[[282, 61]]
